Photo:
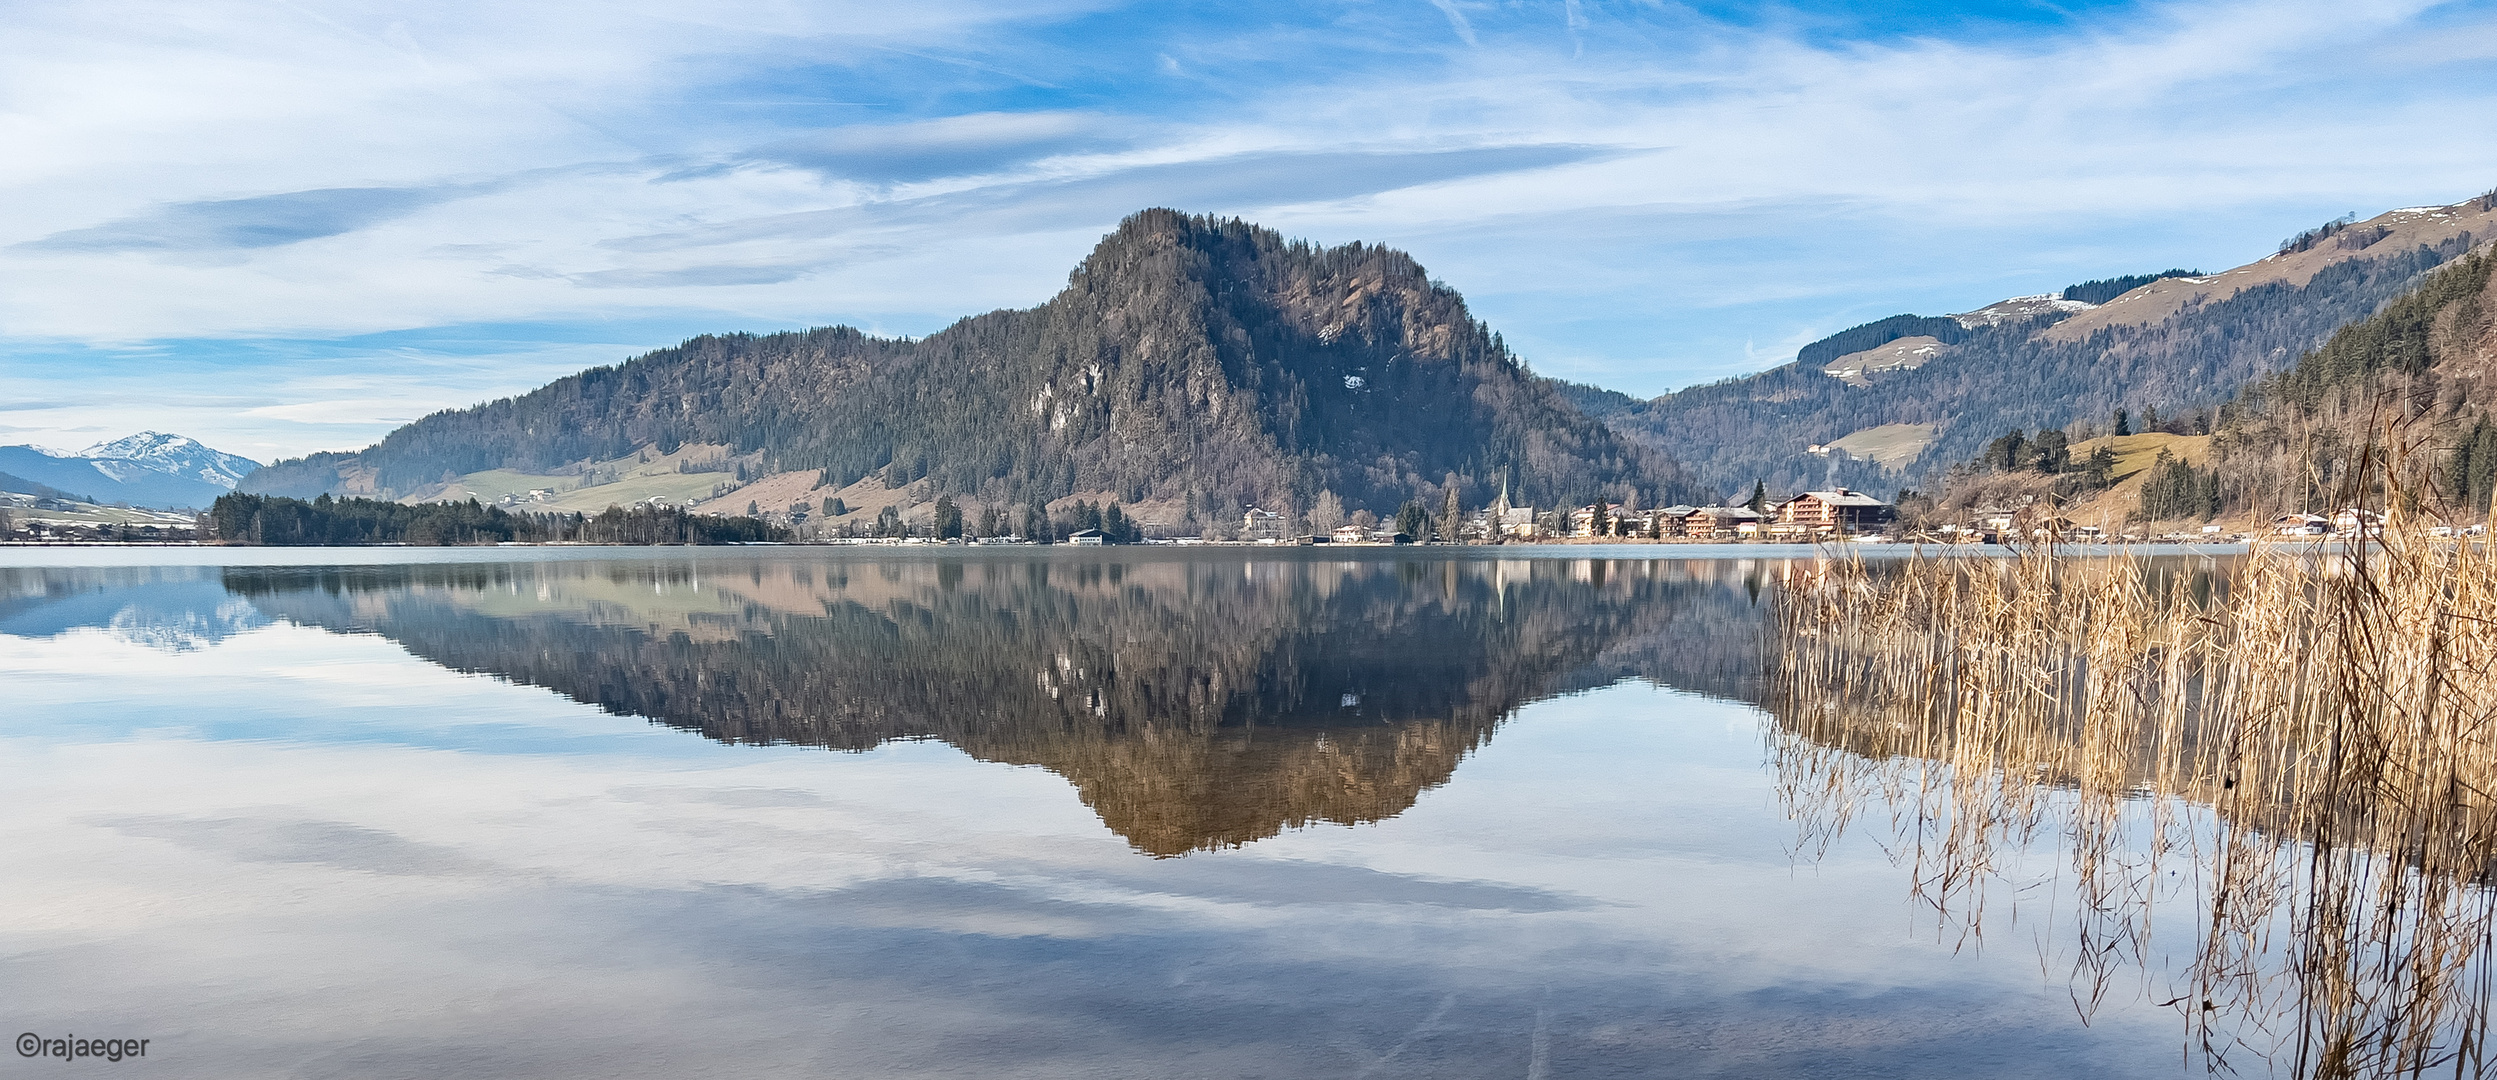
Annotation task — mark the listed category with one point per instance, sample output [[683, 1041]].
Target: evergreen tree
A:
[[948, 518], [2123, 423], [2175, 490], [2099, 472], [2050, 452], [1413, 521], [2009, 452], [2471, 475], [1759, 496]]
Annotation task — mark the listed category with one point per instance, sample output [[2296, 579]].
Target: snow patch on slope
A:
[[2020, 309]]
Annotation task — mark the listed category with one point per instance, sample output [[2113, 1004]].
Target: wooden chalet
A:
[[1829, 512]]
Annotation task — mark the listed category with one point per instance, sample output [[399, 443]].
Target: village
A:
[[1811, 517]]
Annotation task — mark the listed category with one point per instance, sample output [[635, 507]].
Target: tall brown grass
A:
[[2295, 745]]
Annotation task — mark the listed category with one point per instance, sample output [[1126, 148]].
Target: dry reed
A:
[[2299, 740]]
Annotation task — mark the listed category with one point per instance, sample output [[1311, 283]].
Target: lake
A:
[[879, 813]]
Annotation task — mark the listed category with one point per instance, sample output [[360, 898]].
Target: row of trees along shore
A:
[[949, 520], [279, 521]]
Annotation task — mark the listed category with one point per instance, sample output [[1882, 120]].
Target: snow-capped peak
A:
[[173, 455]]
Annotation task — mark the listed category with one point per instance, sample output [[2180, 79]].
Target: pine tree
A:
[[2473, 475], [2099, 470], [1413, 521], [2010, 451], [2050, 452]]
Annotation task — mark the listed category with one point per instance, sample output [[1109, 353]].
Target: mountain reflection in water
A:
[[265, 772], [1194, 703]]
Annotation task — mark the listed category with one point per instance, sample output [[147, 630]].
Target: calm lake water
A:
[[1124, 813]]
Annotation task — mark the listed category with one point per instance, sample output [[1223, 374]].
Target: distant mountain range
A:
[[147, 469], [1900, 400], [1198, 364]]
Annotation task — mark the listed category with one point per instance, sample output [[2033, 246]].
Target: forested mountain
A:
[[2400, 400], [2174, 342], [2394, 408], [1208, 363]]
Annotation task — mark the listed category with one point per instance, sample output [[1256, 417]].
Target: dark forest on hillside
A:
[[2101, 290], [2410, 387], [1880, 332]]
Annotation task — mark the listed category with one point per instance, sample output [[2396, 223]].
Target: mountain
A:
[[1198, 364], [2399, 407], [2405, 399], [171, 455], [146, 469], [2177, 342], [19, 485]]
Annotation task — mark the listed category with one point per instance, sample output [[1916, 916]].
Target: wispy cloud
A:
[[972, 145], [256, 222], [1457, 21], [693, 276]]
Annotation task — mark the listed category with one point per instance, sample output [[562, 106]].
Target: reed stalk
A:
[[2298, 742]]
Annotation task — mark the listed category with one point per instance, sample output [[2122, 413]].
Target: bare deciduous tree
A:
[[1326, 514]]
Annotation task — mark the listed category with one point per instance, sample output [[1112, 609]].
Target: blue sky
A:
[[291, 226]]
